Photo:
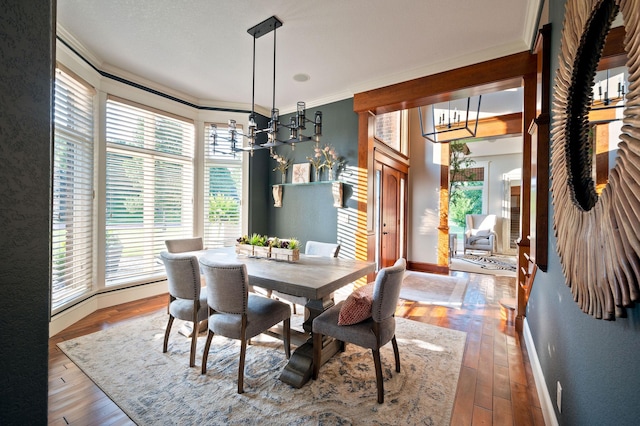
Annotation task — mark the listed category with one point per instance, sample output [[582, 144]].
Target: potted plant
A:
[[243, 247], [286, 249], [260, 246]]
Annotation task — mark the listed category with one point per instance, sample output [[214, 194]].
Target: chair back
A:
[[481, 222], [184, 244], [183, 275], [386, 290], [318, 248], [227, 286]]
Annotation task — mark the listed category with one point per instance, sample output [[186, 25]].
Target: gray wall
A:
[[307, 211], [597, 362], [26, 72]]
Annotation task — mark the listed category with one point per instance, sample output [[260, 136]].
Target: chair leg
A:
[[396, 353], [294, 309], [194, 342], [317, 353], [243, 352], [376, 361], [166, 334], [205, 354], [286, 325]]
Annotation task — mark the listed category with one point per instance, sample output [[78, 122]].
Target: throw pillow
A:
[[357, 307]]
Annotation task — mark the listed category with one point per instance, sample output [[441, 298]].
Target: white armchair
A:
[[480, 233]]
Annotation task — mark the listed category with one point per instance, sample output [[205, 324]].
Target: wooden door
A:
[[390, 188]]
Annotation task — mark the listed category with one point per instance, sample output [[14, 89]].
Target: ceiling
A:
[[200, 50]]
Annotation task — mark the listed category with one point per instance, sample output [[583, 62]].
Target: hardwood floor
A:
[[496, 384]]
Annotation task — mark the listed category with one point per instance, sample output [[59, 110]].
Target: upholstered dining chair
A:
[[313, 248], [186, 301], [184, 244], [318, 248], [372, 333], [236, 314]]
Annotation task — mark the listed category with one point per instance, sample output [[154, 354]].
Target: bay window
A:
[[72, 206], [149, 188], [222, 190]]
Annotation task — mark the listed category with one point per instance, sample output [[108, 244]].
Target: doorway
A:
[[390, 189]]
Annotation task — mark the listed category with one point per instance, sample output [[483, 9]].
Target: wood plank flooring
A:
[[496, 384]]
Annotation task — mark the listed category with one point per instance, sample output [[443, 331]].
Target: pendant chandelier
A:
[[297, 123], [451, 120], [604, 97]]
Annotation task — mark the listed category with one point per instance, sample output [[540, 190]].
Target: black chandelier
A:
[[604, 98], [451, 120], [297, 123]]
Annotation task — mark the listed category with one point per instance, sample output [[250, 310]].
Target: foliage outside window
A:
[[465, 185]]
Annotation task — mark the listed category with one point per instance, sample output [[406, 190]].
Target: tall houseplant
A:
[[460, 202]]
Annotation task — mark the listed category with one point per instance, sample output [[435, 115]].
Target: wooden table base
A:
[[298, 370]]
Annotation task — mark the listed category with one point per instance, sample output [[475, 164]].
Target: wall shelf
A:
[[336, 191], [308, 183]]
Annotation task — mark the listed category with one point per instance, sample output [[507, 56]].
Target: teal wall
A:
[[26, 73], [597, 362], [307, 211], [259, 190]]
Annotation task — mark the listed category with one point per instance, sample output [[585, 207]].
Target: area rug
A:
[[153, 388], [495, 265], [434, 289]]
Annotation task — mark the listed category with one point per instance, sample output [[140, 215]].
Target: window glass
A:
[[149, 191], [223, 188], [72, 208]]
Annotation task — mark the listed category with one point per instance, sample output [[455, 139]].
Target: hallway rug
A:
[[152, 388], [483, 264], [434, 289]]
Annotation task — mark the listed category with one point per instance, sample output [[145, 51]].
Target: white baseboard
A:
[[546, 404], [74, 314]]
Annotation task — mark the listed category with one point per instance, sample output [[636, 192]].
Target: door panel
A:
[[390, 187], [390, 219]]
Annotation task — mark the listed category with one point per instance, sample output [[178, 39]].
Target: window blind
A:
[[149, 190], [72, 209], [223, 190]]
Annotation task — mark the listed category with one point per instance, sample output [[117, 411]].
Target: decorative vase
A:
[[284, 176], [277, 195], [317, 174], [336, 191]]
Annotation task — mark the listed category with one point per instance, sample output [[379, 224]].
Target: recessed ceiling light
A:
[[301, 77]]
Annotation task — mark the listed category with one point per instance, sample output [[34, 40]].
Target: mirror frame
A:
[[597, 236]]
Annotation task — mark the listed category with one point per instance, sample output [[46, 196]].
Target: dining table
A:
[[315, 278]]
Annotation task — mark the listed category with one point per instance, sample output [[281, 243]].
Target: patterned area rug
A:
[[127, 363], [496, 264], [434, 289]]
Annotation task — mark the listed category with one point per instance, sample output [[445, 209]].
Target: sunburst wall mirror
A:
[[597, 230]]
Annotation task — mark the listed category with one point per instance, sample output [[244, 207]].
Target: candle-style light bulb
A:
[[301, 115]]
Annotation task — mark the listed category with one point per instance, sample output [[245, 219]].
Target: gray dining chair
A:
[[182, 245], [313, 248], [318, 248], [186, 301], [372, 333], [236, 314]]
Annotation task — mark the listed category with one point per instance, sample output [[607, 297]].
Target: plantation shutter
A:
[[149, 191], [223, 189], [72, 209]]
